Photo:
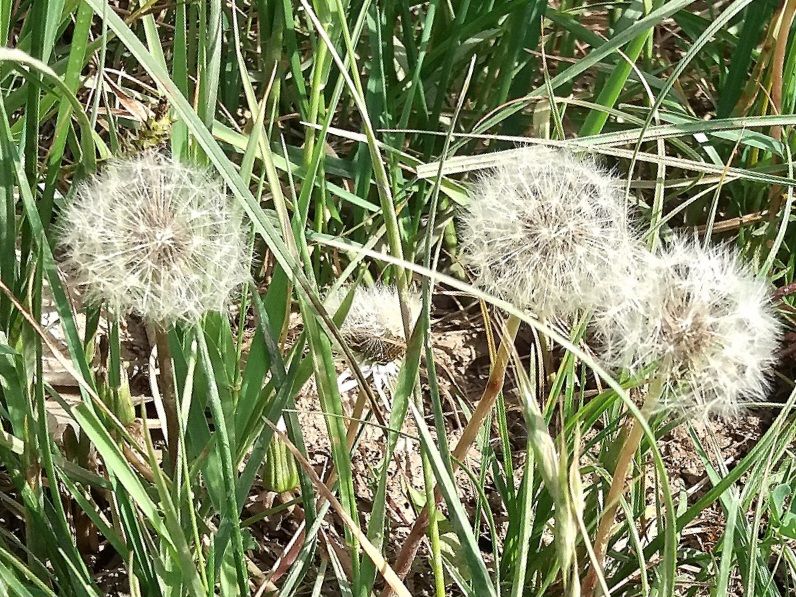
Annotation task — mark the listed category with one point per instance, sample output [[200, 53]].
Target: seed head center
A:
[[688, 336]]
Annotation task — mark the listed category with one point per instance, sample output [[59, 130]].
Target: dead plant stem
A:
[[169, 398], [618, 485]]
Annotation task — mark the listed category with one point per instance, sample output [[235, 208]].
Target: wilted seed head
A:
[[155, 237], [704, 319], [373, 328], [545, 231]]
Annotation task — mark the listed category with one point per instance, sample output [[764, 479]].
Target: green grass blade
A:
[[230, 505]]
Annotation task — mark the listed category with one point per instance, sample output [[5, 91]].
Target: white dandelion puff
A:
[[373, 327], [154, 237], [374, 330], [703, 319], [545, 231]]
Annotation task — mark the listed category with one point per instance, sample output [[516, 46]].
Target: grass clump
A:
[[344, 144]]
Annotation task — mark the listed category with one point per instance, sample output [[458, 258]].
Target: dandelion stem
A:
[[168, 397], [493, 387], [618, 484]]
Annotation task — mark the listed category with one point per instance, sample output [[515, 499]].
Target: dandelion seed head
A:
[[154, 237], [373, 328], [545, 231], [704, 318]]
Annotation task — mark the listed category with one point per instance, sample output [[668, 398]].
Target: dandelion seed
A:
[[704, 319], [154, 237], [373, 328], [545, 231]]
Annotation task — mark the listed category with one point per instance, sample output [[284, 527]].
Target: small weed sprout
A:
[[545, 231], [154, 237], [704, 319]]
